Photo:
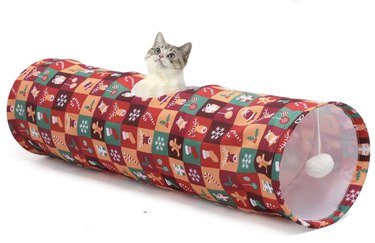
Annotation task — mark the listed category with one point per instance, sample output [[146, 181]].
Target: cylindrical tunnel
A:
[[300, 159]]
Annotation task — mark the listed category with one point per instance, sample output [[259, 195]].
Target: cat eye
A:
[[171, 56], [157, 50]]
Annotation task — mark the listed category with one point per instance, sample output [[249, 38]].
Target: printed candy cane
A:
[[297, 104], [209, 178], [212, 92], [60, 63], [129, 78], [149, 116], [127, 157], [56, 140], [74, 102], [235, 134], [14, 91], [42, 147], [109, 167], [185, 188]]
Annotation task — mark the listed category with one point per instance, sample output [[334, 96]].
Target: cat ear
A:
[[159, 40], [185, 49]]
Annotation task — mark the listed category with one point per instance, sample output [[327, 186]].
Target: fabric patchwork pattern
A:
[[222, 145]]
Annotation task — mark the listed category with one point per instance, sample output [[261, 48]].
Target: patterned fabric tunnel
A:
[[300, 159]]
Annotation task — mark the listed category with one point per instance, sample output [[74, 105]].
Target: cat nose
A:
[[161, 56]]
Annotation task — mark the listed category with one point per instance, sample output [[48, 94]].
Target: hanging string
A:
[[318, 128]]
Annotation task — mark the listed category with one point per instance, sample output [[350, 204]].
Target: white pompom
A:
[[319, 165]]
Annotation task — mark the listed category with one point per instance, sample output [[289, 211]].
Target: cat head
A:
[[166, 57]]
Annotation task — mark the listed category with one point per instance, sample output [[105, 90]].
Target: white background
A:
[[317, 49]]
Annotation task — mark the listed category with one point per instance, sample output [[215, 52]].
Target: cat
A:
[[165, 64]]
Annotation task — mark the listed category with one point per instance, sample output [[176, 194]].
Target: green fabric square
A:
[[276, 167], [284, 117], [20, 110], [160, 143], [222, 197], [193, 105], [112, 133], [140, 174], [45, 76], [67, 155], [191, 152], [344, 209], [247, 160], [114, 90], [84, 126], [43, 117], [244, 99]]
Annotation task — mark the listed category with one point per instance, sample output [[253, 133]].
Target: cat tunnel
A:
[[299, 159]]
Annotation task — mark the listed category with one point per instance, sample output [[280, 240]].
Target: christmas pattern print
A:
[[217, 143]]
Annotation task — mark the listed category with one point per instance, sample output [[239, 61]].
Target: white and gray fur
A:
[[165, 64]]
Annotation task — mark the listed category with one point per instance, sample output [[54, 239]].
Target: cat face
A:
[[164, 56]]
